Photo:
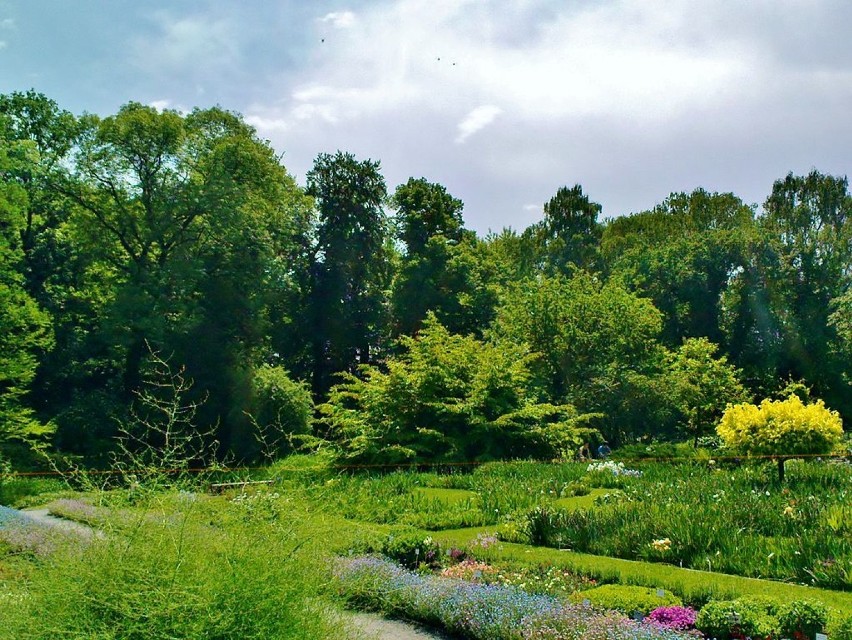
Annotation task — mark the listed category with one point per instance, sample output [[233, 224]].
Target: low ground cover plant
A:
[[629, 599], [487, 612]]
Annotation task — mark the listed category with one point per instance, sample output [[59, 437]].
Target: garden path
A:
[[376, 627]]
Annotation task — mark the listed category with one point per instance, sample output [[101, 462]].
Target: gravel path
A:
[[375, 627]]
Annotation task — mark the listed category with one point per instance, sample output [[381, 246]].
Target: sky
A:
[[500, 101]]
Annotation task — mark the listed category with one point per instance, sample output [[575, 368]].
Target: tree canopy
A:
[[370, 318]]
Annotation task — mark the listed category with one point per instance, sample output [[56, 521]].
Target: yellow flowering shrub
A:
[[781, 428]]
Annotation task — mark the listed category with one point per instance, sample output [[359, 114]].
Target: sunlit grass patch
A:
[[448, 496], [575, 503]]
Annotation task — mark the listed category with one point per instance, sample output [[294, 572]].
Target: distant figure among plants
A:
[[604, 450]]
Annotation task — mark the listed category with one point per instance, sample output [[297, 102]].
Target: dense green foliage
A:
[[730, 520], [182, 234], [629, 599], [448, 398]]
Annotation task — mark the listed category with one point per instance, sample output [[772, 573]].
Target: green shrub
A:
[[729, 619], [802, 617], [412, 549], [282, 409], [762, 603], [629, 599], [448, 398], [840, 628]]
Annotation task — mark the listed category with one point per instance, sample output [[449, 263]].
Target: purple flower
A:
[[480, 611], [680, 618]]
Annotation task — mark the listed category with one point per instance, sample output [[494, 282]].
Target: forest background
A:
[[170, 256]]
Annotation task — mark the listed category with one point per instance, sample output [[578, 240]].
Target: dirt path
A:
[[375, 627]]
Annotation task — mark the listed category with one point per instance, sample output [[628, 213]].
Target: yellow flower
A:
[[661, 545]]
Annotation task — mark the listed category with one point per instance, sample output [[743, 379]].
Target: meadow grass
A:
[[736, 520], [186, 567], [172, 559]]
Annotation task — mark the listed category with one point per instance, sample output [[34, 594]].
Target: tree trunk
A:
[[132, 378], [781, 462]]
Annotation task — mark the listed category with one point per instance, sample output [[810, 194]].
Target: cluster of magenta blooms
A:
[[485, 612]]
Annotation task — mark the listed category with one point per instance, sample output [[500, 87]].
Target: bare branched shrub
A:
[[161, 444]]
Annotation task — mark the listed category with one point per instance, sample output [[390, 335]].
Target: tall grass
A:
[[738, 521], [735, 519], [189, 568]]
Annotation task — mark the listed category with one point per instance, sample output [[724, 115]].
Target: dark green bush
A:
[[281, 408], [728, 619], [629, 599], [802, 617], [411, 549], [841, 628]]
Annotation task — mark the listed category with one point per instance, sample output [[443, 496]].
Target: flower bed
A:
[[482, 612]]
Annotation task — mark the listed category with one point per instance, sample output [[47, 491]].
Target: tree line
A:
[[343, 313]]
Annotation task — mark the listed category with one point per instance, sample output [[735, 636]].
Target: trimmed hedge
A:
[[628, 599]]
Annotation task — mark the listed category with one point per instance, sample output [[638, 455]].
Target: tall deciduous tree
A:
[[192, 225], [682, 254], [597, 344], [24, 327], [444, 268], [777, 315], [349, 274], [569, 235], [425, 209], [809, 222], [702, 386]]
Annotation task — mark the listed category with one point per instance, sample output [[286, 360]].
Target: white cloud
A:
[[476, 120], [200, 43], [339, 19], [160, 105], [661, 92], [267, 125], [616, 59], [7, 23]]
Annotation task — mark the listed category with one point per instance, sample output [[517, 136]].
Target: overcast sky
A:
[[501, 101]]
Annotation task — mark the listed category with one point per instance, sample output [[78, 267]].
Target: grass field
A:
[[173, 557]]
